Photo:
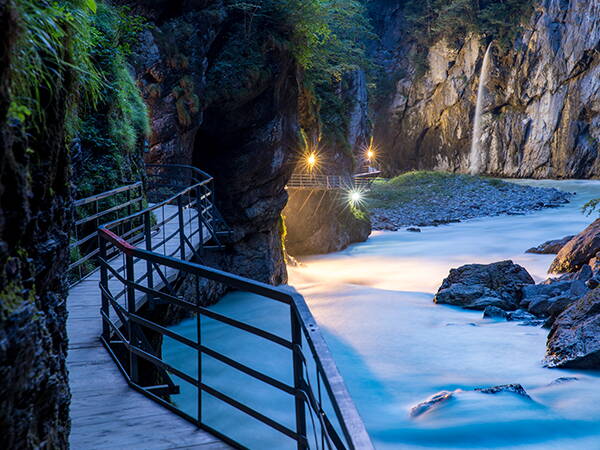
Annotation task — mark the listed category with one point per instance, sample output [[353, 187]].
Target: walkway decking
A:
[[105, 412]]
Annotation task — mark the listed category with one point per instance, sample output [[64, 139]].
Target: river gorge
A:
[[353, 152], [396, 348]]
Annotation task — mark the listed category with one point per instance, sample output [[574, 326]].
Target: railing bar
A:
[[163, 330], [253, 413], [165, 221], [84, 259], [171, 236], [161, 364], [248, 371], [105, 212], [217, 275], [82, 240], [103, 195], [249, 328]]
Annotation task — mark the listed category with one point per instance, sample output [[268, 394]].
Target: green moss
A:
[[426, 186], [13, 296], [112, 132], [54, 40], [282, 231], [360, 213]]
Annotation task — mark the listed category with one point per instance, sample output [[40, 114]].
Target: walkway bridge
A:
[[123, 388], [307, 180]]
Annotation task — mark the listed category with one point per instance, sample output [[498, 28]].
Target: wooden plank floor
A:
[[105, 412]]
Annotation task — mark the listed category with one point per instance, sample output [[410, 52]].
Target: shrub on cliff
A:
[[112, 130]]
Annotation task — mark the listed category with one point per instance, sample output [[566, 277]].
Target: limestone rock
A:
[[579, 250], [550, 247], [541, 103], [574, 340], [477, 286], [320, 221]]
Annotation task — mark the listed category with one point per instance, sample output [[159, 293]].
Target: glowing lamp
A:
[[355, 197], [370, 154], [311, 160]]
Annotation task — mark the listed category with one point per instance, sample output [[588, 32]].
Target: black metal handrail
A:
[[123, 332], [90, 212], [147, 276]]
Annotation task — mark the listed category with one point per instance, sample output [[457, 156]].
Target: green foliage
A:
[[590, 206], [327, 38], [359, 213], [112, 131], [433, 20], [54, 42], [424, 187]]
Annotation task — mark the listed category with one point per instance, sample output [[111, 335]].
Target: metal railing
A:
[[324, 413], [331, 182], [92, 211]]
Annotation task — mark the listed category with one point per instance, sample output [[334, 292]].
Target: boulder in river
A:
[[431, 403], [551, 247], [477, 286], [512, 388], [574, 340], [493, 312], [579, 250]]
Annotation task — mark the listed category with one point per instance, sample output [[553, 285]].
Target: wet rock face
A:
[[579, 250], [541, 113], [228, 105], [477, 286], [321, 221], [574, 340], [35, 218], [550, 247]]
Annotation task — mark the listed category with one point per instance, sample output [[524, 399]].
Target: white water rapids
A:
[[395, 347]]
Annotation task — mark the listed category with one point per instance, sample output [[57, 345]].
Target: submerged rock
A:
[[477, 286], [562, 380], [550, 247], [431, 403], [512, 388], [579, 250], [523, 316], [493, 312], [574, 340]]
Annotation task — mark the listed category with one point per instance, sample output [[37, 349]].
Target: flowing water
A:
[[395, 347], [475, 154]]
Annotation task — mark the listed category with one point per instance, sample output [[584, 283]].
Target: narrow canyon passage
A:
[[395, 348]]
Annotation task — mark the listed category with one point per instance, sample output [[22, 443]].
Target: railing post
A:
[[199, 207], [298, 376], [104, 284], [148, 238], [181, 228], [133, 359]]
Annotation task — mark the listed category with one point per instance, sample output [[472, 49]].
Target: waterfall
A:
[[475, 156]]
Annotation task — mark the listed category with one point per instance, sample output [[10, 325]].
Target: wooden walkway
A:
[[105, 412]]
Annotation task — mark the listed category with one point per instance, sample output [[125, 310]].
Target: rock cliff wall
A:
[[223, 97], [322, 221], [541, 109], [34, 224]]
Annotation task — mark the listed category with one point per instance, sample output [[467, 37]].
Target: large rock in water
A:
[[574, 340], [579, 250], [550, 247], [476, 286], [321, 221]]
